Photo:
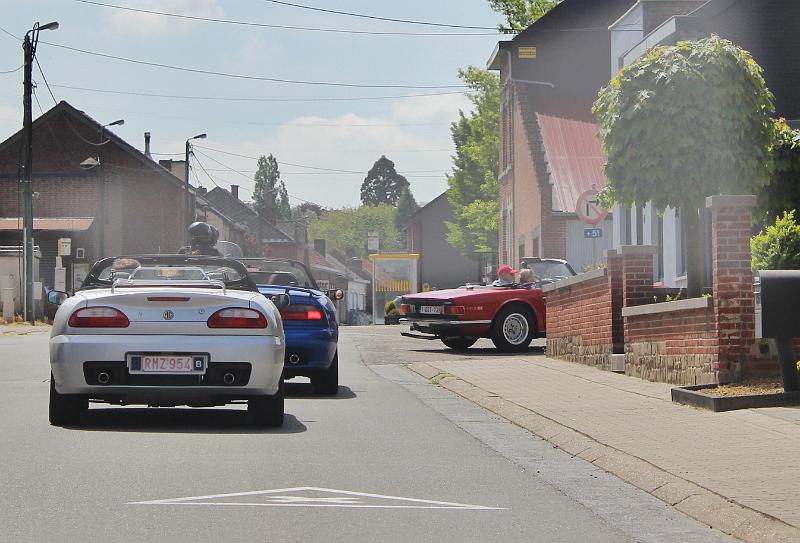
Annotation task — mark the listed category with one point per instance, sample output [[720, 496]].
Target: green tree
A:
[[346, 229], [521, 13], [472, 187], [783, 191], [270, 191], [685, 122], [383, 184], [406, 207], [777, 247]]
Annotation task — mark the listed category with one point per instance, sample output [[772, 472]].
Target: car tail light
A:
[[454, 310], [168, 298], [405, 309], [234, 317], [302, 312], [98, 317]]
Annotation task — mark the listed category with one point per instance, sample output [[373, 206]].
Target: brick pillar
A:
[[637, 274], [734, 301], [614, 266]]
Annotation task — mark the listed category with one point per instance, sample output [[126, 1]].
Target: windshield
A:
[[168, 268], [552, 270], [279, 272]]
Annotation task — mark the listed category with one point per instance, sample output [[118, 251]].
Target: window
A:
[[535, 248]]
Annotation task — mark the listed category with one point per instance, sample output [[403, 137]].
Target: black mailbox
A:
[[780, 305]]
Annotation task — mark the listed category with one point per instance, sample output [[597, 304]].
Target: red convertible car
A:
[[511, 316]]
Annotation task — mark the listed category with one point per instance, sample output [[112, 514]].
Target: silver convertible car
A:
[[167, 330]]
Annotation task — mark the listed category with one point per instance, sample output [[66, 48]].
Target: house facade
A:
[[117, 202], [763, 29], [549, 153], [440, 265]]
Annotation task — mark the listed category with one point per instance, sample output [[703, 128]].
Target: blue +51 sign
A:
[[592, 233]]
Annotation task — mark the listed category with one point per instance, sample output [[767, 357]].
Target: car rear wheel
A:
[[326, 382], [459, 343], [65, 409], [513, 329], [267, 411]]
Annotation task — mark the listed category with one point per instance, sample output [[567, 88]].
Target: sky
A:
[[310, 128]]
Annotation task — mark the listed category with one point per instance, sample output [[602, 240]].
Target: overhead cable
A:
[[280, 27], [247, 77]]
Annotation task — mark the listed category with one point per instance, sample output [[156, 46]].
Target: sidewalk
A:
[[21, 329], [737, 471]]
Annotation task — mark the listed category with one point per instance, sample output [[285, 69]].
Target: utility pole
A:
[[29, 53], [188, 203]]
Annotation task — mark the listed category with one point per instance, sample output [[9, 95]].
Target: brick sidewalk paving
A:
[[22, 329], [748, 457]]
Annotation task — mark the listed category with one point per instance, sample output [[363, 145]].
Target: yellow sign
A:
[[527, 52], [426, 287]]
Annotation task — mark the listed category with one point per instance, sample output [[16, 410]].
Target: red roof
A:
[[66, 224], [575, 159]]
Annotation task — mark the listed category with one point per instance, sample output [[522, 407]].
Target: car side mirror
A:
[[281, 301], [56, 297], [335, 294]]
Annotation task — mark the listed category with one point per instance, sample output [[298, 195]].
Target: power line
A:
[[3, 72], [248, 77], [376, 18], [46, 83], [281, 27], [247, 99], [279, 162], [212, 177]]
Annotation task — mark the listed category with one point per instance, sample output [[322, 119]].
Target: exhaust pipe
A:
[[103, 378], [294, 358], [228, 378]]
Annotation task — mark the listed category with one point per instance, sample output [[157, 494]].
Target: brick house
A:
[[761, 28], [440, 264], [260, 237], [549, 154], [119, 202]]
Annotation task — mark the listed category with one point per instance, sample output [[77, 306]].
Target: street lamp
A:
[[187, 216], [101, 241], [29, 53]]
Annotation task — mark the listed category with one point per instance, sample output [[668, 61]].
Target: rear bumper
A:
[[70, 353], [308, 350]]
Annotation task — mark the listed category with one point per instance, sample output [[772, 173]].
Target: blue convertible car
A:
[[309, 321]]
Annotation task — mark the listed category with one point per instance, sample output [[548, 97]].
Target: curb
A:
[[702, 504]]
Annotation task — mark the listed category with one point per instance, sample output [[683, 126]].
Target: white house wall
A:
[[583, 252]]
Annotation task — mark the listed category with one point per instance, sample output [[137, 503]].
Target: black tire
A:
[[459, 343], [326, 382], [267, 411], [514, 328], [65, 409]]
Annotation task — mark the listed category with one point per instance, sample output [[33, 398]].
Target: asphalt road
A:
[[391, 458]]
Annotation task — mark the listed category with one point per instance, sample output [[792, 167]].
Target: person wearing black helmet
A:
[[202, 238]]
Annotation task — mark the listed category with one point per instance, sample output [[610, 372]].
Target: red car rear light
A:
[[235, 317], [405, 309], [168, 298], [301, 312], [98, 317], [454, 310]]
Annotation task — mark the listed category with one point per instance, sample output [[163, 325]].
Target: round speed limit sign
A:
[[588, 210]]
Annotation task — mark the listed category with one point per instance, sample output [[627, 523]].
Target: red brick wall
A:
[[579, 320], [678, 347], [734, 307]]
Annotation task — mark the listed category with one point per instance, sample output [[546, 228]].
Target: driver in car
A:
[[505, 276]]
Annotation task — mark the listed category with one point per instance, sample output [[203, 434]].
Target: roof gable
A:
[[237, 210], [74, 114]]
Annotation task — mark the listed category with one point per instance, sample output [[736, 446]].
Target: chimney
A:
[[147, 145], [235, 191]]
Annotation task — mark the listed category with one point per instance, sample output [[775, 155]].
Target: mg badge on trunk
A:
[[168, 315]]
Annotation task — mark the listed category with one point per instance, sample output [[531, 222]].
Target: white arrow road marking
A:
[[345, 498]]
